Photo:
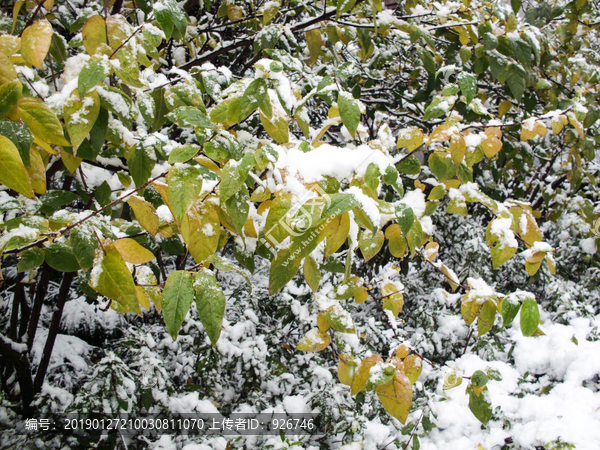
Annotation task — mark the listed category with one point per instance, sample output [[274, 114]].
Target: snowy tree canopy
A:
[[350, 208]]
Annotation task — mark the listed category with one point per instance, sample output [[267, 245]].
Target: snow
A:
[[501, 228], [416, 200]]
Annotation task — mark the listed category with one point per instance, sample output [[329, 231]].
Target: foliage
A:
[[144, 146]]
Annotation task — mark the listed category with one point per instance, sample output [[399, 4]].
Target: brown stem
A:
[[53, 331], [468, 339]]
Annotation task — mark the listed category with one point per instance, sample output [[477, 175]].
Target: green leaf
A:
[[20, 135], [521, 51], [405, 216], [283, 269], [480, 404], [344, 6], [12, 171], [349, 112], [170, 16], [530, 316], [253, 96], [392, 178], [414, 237], [339, 203], [54, 200], [185, 185], [41, 121], [510, 308], [118, 103], [516, 80], [468, 85], [30, 259], [190, 116], [210, 302], [95, 70], [370, 244], [238, 207], [177, 298], [80, 116], [141, 162], [428, 61], [234, 175], [222, 264], [339, 319], [61, 258], [439, 107], [183, 154], [442, 166], [84, 243], [409, 166], [9, 95]]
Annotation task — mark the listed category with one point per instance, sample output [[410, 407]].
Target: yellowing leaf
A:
[[469, 307], [132, 252], [413, 366], [458, 148], [370, 245], [200, 229], [558, 124], [42, 122], [492, 143], [362, 374], [504, 107], [36, 171], [322, 323], [336, 233], [235, 13], [111, 278], [411, 138], [71, 162], [145, 214], [143, 298], [397, 244], [346, 368], [313, 40], [12, 171], [314, 341], [311, 272], [402, 352], [9, 45], [277, 127], [486, 317], [576, 123], [392, 297], [9, 96], [94, 34], [396, 396], [35, 42]]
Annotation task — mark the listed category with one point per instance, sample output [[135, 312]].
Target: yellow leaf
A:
[[36, 171], [469, 308], [71, 162], [458, 148], [322, 323], [200, 230], [208, 163], [143, 298], [12, 171], [80, 116], [7, 69], [396, 396], [163, 190], [492, 143], [35, 42], [235, 13], [413, 365], [44, 145], [94, 34], [370, 244], [277, 127], [111, 278], [411, 138], [557, 124], [402, 352], [314, 341], [504, 107], [336, 233], [362, 374], [145, 214], [9, 45], [132, 252], [576, 123], [346, 368], [551, 263], [540, 129], [40, 119], [431, 250], [397, 244], [313, 40], [392, 297]]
